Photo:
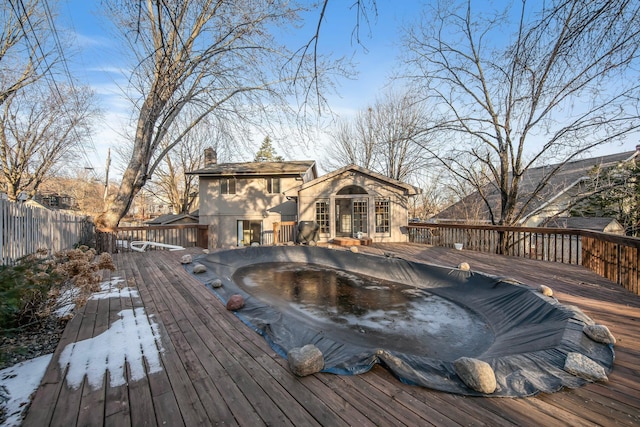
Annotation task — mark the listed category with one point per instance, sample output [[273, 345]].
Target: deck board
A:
[[217, 371]]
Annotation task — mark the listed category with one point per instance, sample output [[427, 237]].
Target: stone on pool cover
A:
[[581, 366], [199, 268], [305, 360], [476, 374], [599, 333], [546, 291], [464, 266], [235, 302], [216, 283], [186, 259]]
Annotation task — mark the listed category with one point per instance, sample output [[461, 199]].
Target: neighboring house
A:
[[562, 189], [605, 225], [171, 219], [241, 202]]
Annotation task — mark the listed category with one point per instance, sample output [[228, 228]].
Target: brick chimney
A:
[[210, 157]]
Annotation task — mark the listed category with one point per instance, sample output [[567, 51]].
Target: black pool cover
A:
[[413, 318]]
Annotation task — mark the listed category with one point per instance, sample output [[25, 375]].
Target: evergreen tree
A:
[[267, 153]]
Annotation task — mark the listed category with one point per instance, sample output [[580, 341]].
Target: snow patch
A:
[[129, 339], [17, 383]]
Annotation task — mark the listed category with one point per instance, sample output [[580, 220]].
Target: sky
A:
[[95, 61]]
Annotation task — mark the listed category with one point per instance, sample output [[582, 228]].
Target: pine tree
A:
[[267, 153]]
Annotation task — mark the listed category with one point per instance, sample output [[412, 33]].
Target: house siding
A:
[[251, 202], [328, 189]]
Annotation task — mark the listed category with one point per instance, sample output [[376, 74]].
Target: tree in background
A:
[[170, 184], [40, 130], [387, 137], [22, 60], [513, 90], [217, 58], [266, 152], [612, 192]]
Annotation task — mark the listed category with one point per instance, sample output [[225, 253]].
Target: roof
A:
[[567, 176], [295, 167], [171, 218], [409, 189], [584, 223]]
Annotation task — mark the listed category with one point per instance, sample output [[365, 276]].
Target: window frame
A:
[[383, 216], [228, 186], [323, 217]]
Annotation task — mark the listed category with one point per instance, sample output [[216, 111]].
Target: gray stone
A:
[[464, 266], [599, 333], [235, 302], [476, 374], [216, 283], [545, 290], [186, 259], [305, 360], [199, 268], [581, 366]]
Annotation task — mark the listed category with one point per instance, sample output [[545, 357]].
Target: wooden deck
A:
[[217, 371]]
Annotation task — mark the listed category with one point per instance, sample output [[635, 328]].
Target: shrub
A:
[[37, 285]]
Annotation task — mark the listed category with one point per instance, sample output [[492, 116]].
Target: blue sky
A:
[[95, 59], [95, 62]]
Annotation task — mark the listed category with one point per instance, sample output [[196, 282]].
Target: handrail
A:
[[185, 235], [612, 256]]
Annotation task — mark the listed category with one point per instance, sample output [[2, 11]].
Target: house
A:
[[562, 188], [170, 219], [243, 202], [604, 225]]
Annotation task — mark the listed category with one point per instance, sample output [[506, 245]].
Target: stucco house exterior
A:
[[242, 202]]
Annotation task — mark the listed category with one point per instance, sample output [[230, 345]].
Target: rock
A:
[[599, 333], [581, 366], [205, 251], [545, 290], [312, 243], [305, 360], [476, 374], [235, 302], [354, 249], [199, 268], [186, 259], [464, 266], [291, 243], [216, 283]]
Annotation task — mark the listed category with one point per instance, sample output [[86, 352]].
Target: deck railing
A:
[[118, 239], [284, 232], [611, 256]]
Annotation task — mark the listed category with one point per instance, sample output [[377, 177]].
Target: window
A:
[[228, 186], [273, 185], [322, 215], [360, 208], [382, 216]]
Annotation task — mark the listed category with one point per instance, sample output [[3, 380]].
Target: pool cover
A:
[[524, 336]]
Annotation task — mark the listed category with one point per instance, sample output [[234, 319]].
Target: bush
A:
[[37, 286]]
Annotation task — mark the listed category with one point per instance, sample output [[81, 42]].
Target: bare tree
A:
[[170, 183], [386, 137], [216, 57], [25, 52], [512, 90], [39, 129]]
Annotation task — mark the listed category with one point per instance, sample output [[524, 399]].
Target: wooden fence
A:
[[612, 256], [25, 229], [119, 239]]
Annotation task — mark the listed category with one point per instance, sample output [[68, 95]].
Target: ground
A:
[[23, 358]]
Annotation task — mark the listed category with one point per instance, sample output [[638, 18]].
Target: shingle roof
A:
[[256, 168], [583, 223], [567, 176]]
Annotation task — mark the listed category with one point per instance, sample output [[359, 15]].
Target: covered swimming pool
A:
[[416, 319]]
